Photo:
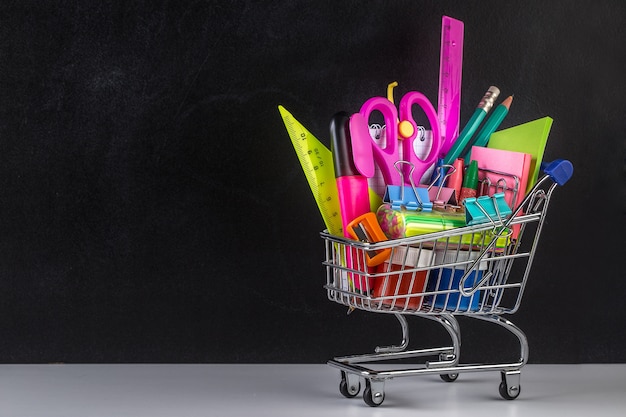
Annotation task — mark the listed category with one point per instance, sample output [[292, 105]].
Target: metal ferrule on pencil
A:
[[489, 98]]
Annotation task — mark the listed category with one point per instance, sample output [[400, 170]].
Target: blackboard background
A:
[[152, 208]]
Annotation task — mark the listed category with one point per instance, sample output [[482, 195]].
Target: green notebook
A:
[[530, 137]]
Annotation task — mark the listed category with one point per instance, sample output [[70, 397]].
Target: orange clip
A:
[[366, 228]]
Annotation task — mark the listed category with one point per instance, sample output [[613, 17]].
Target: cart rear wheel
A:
[[373, 398], [449, 377], [347, 390], [509, 393]]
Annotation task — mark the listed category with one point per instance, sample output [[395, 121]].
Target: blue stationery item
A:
[[405, 196], [437, 178], [486, 209], [448, 282], [408, 197]]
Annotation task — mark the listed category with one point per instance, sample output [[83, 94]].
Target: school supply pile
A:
[[427, 219]]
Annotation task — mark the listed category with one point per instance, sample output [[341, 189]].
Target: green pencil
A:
[[468, 131], [490, 126]]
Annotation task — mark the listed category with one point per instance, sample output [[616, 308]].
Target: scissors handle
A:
[[385, 156], [409, 151]]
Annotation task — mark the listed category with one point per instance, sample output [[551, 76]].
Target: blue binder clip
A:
[[408, 196], [486, 209]]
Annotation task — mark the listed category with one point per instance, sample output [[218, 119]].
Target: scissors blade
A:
[[419, 165]]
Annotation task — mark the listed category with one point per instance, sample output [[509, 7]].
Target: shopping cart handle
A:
[[560, 170]]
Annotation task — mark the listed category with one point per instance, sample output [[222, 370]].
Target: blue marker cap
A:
[[438, 182]]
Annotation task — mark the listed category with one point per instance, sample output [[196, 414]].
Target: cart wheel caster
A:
[[509, 393], [374, 394], [347, 389], [449, 377], [510, 387]]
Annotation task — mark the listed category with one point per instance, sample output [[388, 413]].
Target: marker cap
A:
[[471, 176], [341, 146]]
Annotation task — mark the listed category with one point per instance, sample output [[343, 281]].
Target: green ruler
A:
[[317, 164]]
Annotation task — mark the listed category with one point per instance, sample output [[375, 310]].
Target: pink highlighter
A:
[[352, 187]]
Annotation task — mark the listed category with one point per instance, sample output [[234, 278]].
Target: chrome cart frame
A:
[[462, 271]]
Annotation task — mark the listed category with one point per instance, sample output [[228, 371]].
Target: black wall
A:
[[152, 208]]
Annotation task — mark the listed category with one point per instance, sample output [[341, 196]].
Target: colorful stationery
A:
[[351, 185], [450, 69], [398, 224], [449, 280], [317, 164], [485, 104], [504, 171], [405, 273], [528, 138], [490, 126], [486, 208], [470, 182], [366, 228], [401, 130], [456, 179]]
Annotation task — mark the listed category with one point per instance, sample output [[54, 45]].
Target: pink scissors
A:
[[366, 151]]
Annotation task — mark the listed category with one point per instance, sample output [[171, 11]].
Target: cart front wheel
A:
[[509, 393], [346, 389], [373, 396], [449, 377]]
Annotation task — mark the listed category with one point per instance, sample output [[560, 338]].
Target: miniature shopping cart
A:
[[461, 271]]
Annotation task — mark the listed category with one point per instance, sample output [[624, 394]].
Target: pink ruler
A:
[[450, 66]]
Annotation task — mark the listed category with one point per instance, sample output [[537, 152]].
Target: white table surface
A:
[[297, 390]]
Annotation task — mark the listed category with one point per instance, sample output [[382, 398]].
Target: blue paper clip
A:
[[486, 209], [408, 196]]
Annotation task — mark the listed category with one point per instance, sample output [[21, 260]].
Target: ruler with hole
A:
[[450, 66], [317, 164]]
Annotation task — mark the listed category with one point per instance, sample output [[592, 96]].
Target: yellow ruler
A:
[[317, 164]]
